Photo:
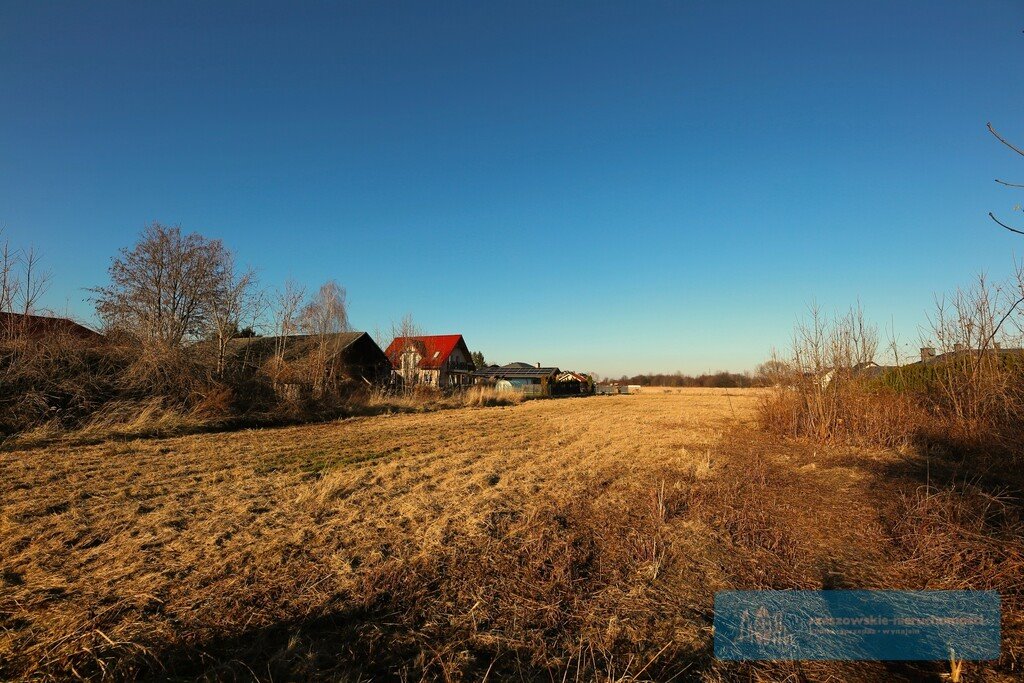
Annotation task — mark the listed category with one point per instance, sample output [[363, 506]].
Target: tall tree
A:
[[163, 289], [22, 280], [234, 302], [323, 318], [285, 310], [478, 360], [327, 312]]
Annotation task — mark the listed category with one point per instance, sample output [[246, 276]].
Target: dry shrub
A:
[[977, 387], [828, 389], [139, 418], [181, 375], [57, 380], [961, 537], [848, 411], [421, 398], [970, 396], [483, 397], [824, 391]]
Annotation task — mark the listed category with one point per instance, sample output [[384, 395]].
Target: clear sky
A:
[[619, 187]]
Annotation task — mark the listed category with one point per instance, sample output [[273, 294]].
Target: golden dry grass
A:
[[581, 538]]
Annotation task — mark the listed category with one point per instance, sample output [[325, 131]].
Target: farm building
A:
[[616, 388], [529, 380], [350, 355], [572, 384], [436, 360], [40, 326]]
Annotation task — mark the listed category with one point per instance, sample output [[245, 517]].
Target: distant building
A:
[[39, 326], [352, 355], [526, 379], [870, 369], [435, 360], [569, 383], [930, 357]]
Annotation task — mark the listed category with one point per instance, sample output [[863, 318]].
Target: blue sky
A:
[[618, 187]]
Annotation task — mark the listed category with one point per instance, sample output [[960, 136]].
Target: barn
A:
[[42, 326], [353, 355]]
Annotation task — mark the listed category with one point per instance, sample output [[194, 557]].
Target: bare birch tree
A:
[[235, 301], [285, 312], [405, 331], [323, 318]]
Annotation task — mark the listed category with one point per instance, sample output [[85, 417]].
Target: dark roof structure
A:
[[355, 350], [44, 325], [295, 345], [515, 371]]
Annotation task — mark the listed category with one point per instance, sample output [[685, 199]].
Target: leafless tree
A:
[[327, 312], [8, 277], [978, 385], [285, 311], [34, 281], [235, 300], [405, 330], [23, 283], [162, 289], [323, 318]]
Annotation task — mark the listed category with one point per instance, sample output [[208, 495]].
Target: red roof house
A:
[[441, 360]]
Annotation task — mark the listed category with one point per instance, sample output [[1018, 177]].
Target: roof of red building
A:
[[433, 349], [43, 325]]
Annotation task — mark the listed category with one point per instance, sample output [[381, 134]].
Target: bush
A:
[[482, 397], [849, 411]]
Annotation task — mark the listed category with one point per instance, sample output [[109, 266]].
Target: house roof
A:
[[295, 344], [40, 325], [434, 350], [569, 376], [513, 370]]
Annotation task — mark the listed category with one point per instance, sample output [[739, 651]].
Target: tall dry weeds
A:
[[823, 389]]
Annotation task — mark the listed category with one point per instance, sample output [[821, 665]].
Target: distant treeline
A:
[[678, 379]]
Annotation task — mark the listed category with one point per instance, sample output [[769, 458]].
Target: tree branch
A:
[[1005, 317], [992, 216], [1003, 140], [1003, 182]]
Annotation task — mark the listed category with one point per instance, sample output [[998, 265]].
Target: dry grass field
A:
[[568, 539]]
